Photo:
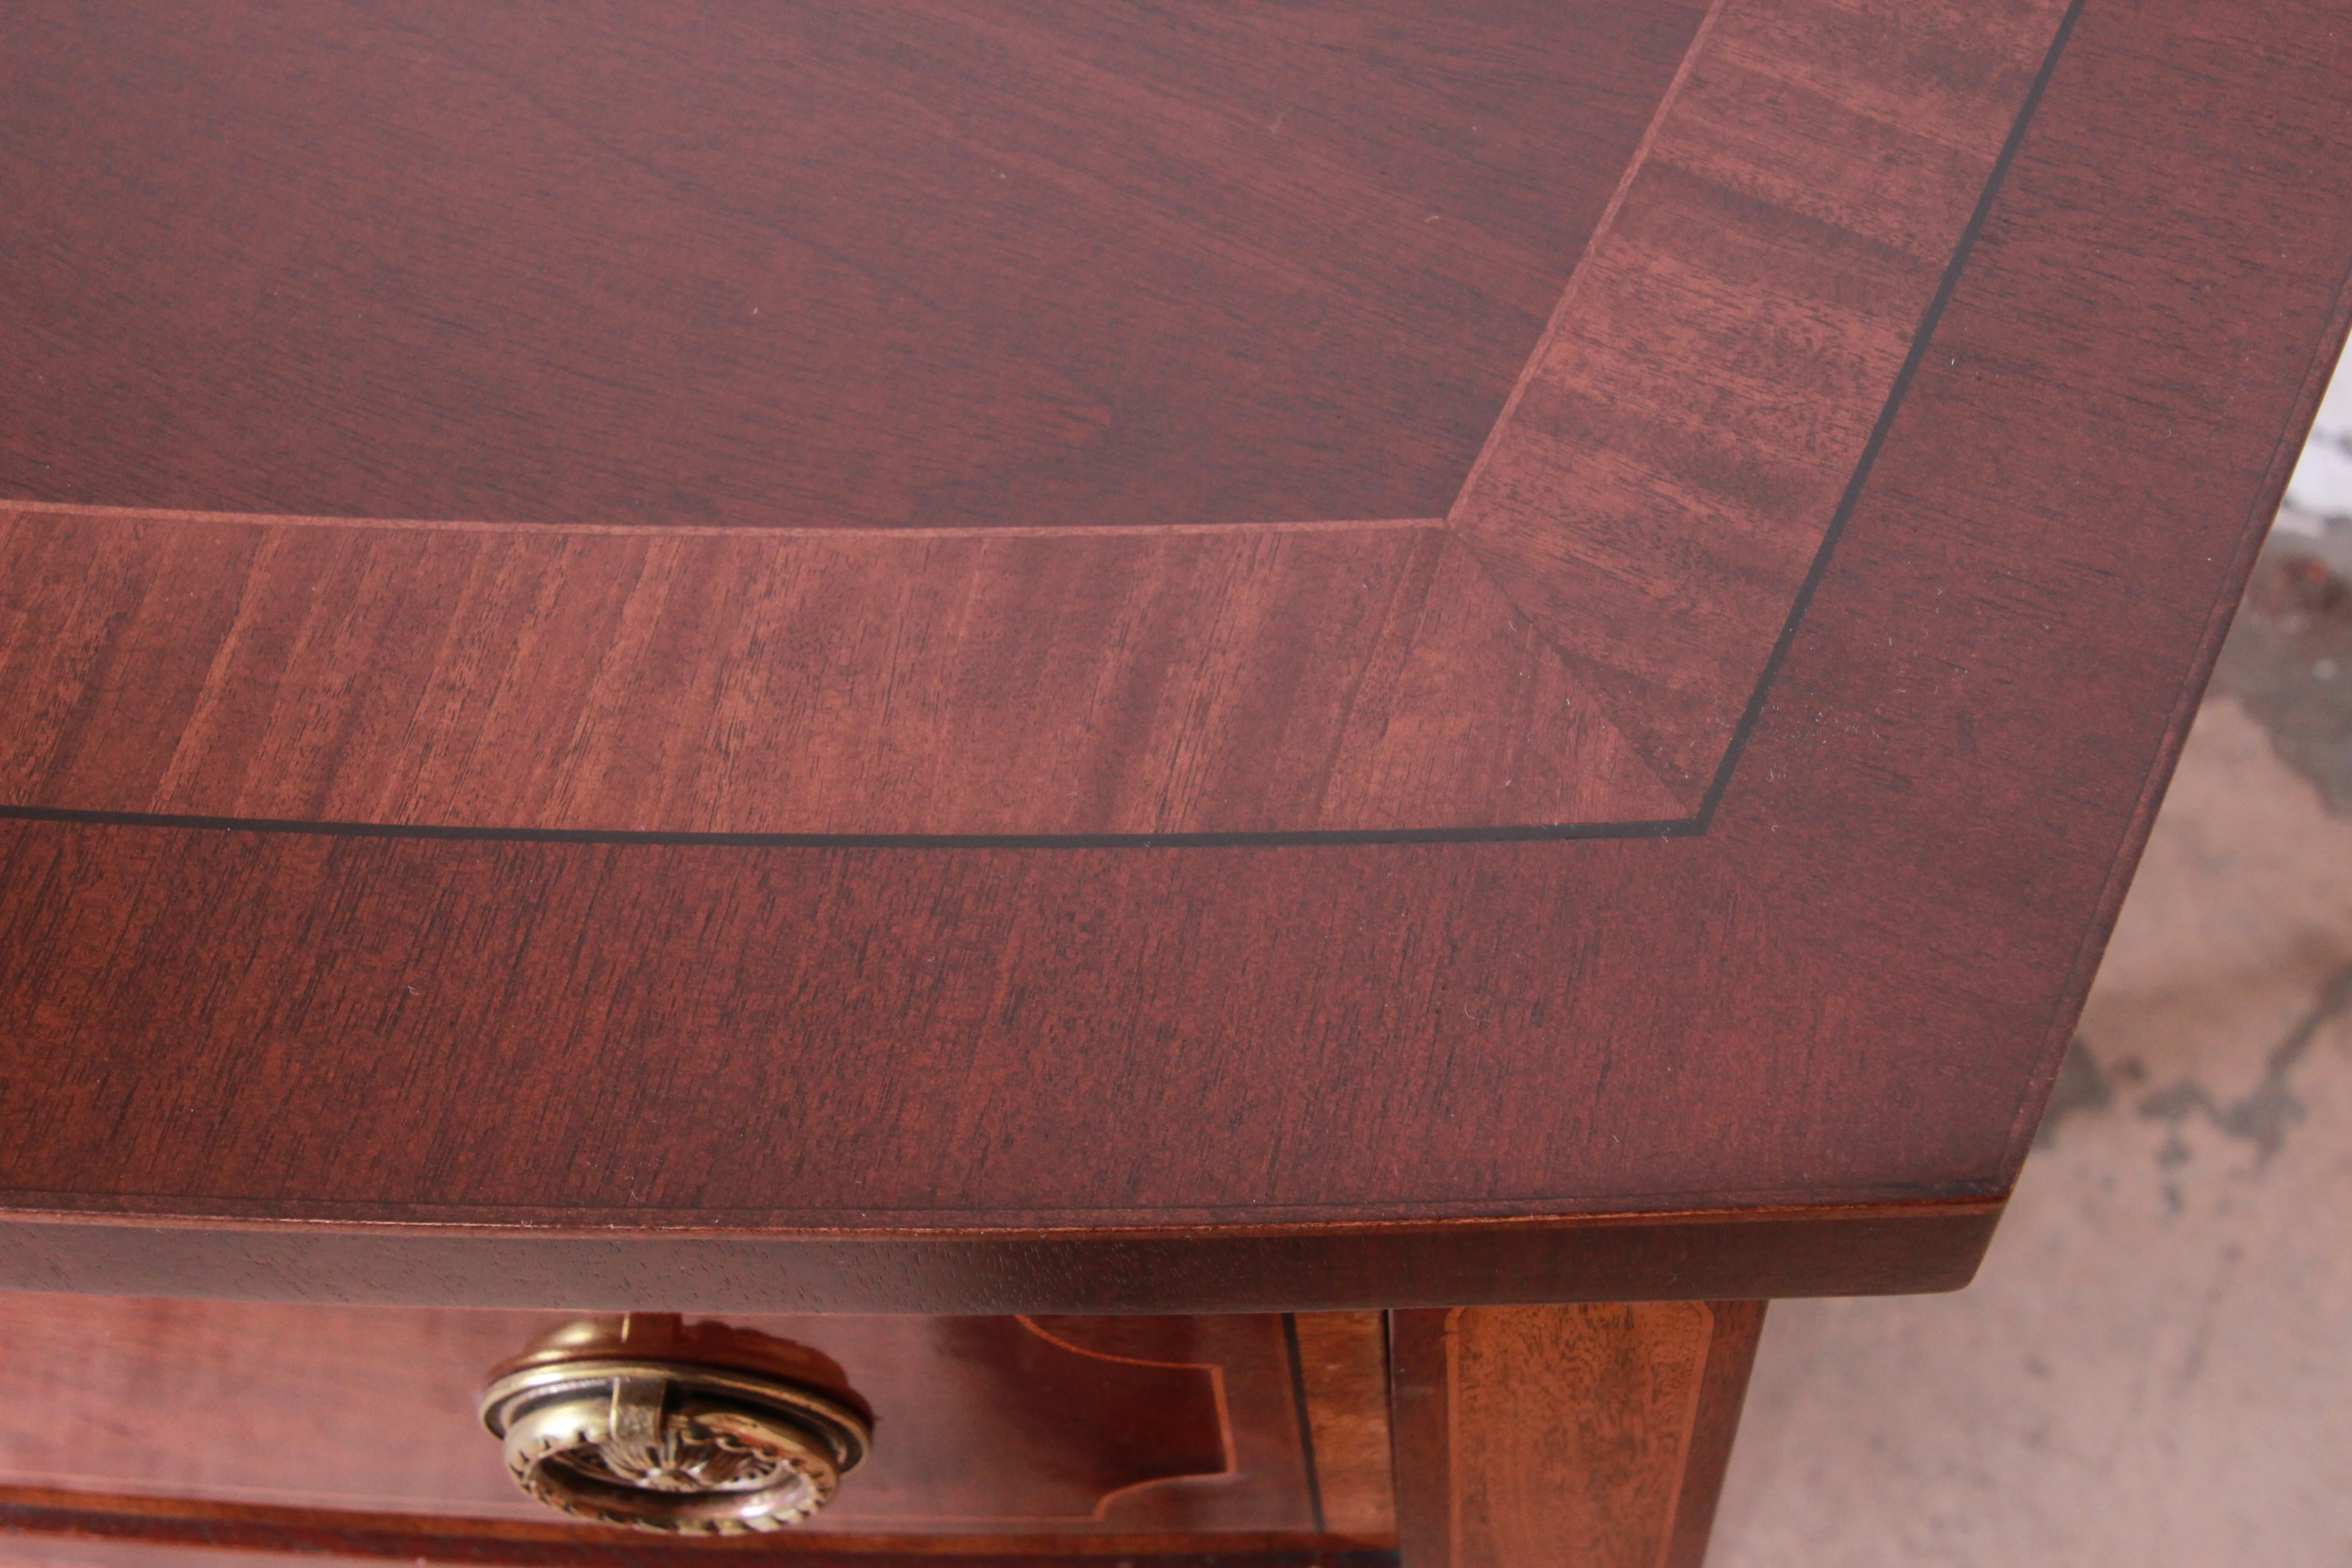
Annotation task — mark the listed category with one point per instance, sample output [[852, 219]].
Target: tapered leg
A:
[[1582, 1437]]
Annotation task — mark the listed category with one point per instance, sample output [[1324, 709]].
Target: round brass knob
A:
[[672, 1446]]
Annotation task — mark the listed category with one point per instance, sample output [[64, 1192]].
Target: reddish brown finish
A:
[[1345, 678], [1342, 1359], [1079, 1268], [1848, 982], [1730, 1357], [38, 1527], [1052, 262], [1582, 1436], [660, 681], [1674, 456], [983, 1426]]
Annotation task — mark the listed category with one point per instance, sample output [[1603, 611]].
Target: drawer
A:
[[286, 1425]]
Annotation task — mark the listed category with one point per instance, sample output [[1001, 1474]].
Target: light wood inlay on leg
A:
[[1582, 1436]]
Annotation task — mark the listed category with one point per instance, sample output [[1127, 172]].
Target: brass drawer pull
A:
[[672, 1446]]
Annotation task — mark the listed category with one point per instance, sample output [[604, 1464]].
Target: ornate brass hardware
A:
[[657, 1443]]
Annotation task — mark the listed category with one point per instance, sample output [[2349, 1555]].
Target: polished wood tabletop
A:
[[1038, 656]]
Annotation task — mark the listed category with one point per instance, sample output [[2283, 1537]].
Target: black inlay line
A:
[[1306, 1422], [1677, 827], [1860, 479]]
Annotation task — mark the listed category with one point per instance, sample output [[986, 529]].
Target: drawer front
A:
[[1239, 1426]]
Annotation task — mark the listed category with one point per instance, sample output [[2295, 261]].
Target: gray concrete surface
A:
[[2155, 1366]]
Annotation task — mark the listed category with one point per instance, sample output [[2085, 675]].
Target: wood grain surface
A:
[[1674, 456], [1584, 1436], [1736, 317], [1851, 988], [739, 683], [353, 1431], [1342, 1360], [984, 1426], [1723, 1392], [867, 265]]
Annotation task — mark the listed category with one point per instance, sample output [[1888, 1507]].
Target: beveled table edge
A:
[[1888, 1248]]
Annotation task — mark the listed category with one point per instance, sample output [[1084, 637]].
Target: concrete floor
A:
[[2155, 1366]]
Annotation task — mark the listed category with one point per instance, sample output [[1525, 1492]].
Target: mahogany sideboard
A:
[[1163, 783]]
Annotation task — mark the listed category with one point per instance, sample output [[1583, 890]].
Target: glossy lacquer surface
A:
[[1409, 408], [1454, 655]]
